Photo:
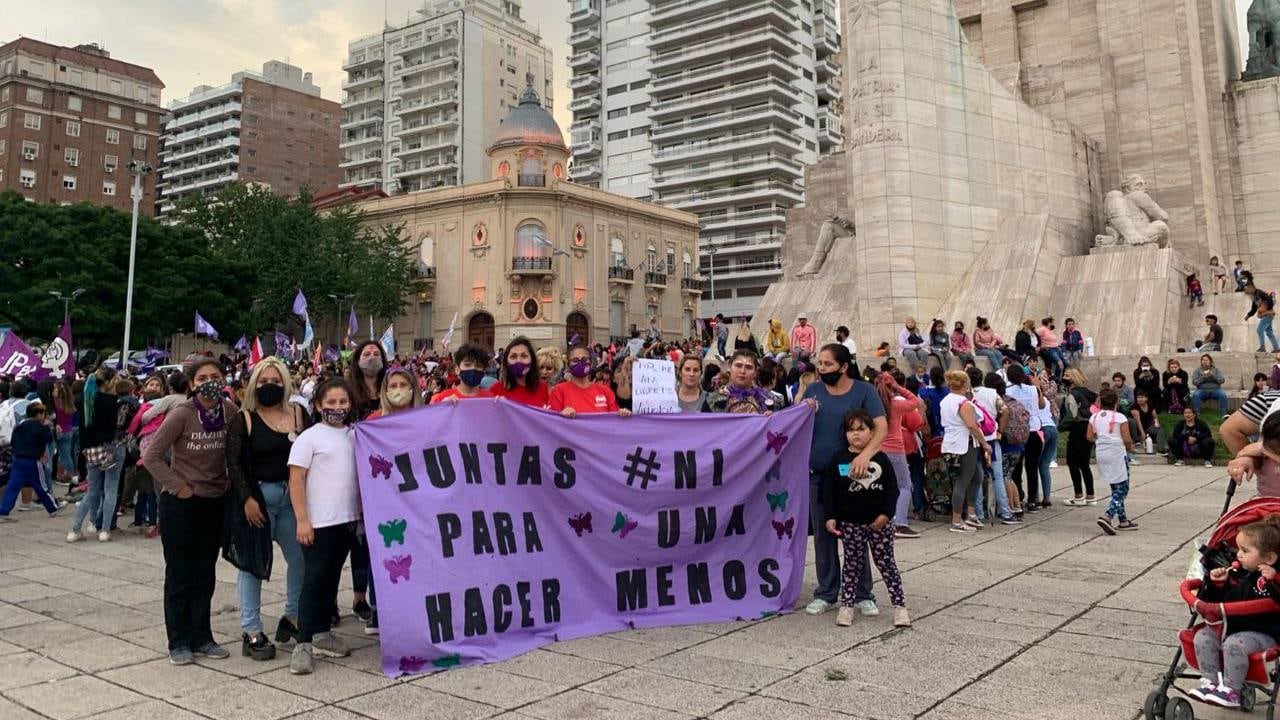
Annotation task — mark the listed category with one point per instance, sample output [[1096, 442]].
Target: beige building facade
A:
[[529, 253]]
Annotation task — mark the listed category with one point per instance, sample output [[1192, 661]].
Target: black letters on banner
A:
[[704, 524], [735, 580], [772, 586], [501, 601], [470, 462], [440, 617], [473, 622], [530, 466], [450, 530], [565, 475], [406, 471], [633, 590], [717, 472], [665, 598], [550, 601], [505, 532], [686, 470], [532, 542], [439, 466], [526, 609], [699, 583], [668, 528], [498, 451], [480, 540], [736, 526]]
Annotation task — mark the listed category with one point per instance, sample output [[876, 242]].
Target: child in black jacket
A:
[[1223, 652], [30, 438], [860, 511]]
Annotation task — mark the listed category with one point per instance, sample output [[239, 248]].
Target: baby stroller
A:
[[937, 482], [1264, 670]]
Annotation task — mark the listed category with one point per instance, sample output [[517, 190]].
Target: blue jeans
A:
[[996, 472], [65, 458], [1047, 455], [993, 356], [99, 503], [24, 472], [284, 530], [1199, 396], [825, 559], [1265, 332], [1054, 360]]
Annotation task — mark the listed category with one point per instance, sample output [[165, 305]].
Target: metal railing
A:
[[530, 263], [617, 272]]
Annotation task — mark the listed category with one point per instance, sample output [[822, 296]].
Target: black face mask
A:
[[831, 378], [269, 395]]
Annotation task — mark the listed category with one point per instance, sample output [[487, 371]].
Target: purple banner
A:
[[17, 359], [57, 361], [495, 528]]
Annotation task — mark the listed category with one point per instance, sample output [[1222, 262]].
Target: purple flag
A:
[[242, 345], [17, 358], [204, 328], [504, 528], [57, 361], [353, 327], [283, 346], [300, 305]]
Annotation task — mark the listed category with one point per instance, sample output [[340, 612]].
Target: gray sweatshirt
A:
[[1210, 379]]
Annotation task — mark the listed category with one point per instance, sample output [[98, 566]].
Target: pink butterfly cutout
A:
[[379, 465], [627, 527], [784, 528], [775, 441], [580, 523], [398, 567], [412, 663]]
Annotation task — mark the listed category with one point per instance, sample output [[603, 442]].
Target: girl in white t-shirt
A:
[[1110, 430], [326, 501]]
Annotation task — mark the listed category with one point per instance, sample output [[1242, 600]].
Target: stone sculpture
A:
[[1133, 218], [1264, 35], [833, 227]]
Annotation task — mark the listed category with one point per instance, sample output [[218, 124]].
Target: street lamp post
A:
[[137, 170], [337, 327], [66, 302], [712, 264]]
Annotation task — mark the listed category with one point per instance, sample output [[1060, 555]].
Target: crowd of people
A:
[[892, 444]]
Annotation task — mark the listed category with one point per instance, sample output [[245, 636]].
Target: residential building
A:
[[526, 253], [271, 128], [423, 98], [71, 120], [710, 106]]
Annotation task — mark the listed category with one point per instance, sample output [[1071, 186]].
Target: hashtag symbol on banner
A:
[[642, 467]]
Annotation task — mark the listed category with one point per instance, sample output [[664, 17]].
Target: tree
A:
[[46, 248], [289, 246]]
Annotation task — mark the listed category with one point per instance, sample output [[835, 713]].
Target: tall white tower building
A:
[[424, 99], [710, 106]]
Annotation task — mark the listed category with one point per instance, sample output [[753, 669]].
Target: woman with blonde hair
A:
[[689, 392], [745, 340], [622, 383], [399, 392], [259, 439], [550, 365], [965, 448]]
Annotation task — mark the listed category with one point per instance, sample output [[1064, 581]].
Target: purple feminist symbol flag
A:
[[17, 359], [504, 528], [57, 360]]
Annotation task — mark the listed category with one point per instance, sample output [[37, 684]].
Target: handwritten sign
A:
[[653, 387]]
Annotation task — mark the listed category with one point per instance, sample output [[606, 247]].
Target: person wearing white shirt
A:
[[1026, 393], [985, 395], [964, 448], [844, 338]]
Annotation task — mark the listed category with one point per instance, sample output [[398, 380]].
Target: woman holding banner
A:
[[471, 361], [580, 395], [364, 377], [689, 392], [520, 380], [742, 394]]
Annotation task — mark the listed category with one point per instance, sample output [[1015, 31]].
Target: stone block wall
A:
[[1254, 111]]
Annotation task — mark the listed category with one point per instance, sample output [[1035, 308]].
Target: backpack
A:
[[1018, 429], [8, 421]]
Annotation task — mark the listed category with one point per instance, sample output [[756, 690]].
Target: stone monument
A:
[[834, 226], [1264, 38], [1133, 218]]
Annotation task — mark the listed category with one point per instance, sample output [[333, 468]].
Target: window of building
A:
[[2, 144], [616, 45], [620, 112], [616, 89], [642, 130], [113, 112], [617, 252], [687, 269], [531, 241], [68, 182], [639, 84], [4, 94], [71, 156], [621, 135], [113, 137], [73, 128], [640, 107], [31, 121], [142, 94], [109, 163], [30, 150], [35, 96], [117, 87], [76, 77], [531, 173], [108, 187], [671, 260], [4, 119], [139, 142], [140, 118], [27, 178], [651, 258], [74, 103]]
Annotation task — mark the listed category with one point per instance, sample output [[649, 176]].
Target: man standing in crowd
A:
[[722, 334], [804, 338]]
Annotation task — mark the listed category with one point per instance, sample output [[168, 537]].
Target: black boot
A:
[[257, 646], [286, 631]]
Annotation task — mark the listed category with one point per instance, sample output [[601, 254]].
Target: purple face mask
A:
[[518, 369], [579, 368]]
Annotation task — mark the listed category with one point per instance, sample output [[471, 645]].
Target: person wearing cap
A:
[[804, 338]]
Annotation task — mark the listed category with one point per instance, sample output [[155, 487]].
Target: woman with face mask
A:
[[520, 380], [364, 376], [144, 508], [471, 361], [1146, 379], [580, 395], [399, 392], [326, 501], [258, 443], [188, 458]]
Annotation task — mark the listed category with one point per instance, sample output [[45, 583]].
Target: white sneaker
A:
[[867, 608], [1207, 463], [74, 536], [1180, 463], [818, 606], [104, 535], [1053, 463], [1133, 460], [26, 507]]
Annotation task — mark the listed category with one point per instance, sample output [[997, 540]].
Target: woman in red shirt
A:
[[471, 361], [579, 395], [520, 380], [898, 401]]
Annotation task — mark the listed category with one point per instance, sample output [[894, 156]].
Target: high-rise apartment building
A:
[[710, 106], [271, 128], [423, 99], [71, 119]]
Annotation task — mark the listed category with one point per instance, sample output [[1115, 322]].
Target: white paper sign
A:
[[653, 387]]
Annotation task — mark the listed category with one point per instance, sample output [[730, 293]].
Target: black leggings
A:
[[324, 560], [1031, 464], [191, 536], [1078, 450]]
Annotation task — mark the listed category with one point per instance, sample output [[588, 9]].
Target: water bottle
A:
[[1151, 446]]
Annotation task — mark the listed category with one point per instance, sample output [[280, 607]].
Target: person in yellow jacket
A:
[[777, 344]]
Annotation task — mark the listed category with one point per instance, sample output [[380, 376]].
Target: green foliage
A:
[[46, 248]]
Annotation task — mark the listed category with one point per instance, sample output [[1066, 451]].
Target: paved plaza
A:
[[1047, 620]]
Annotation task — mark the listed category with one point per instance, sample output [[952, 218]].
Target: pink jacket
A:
[[1048, 339], [804, 338], [144, 431]]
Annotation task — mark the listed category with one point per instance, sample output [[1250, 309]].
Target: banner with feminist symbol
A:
[[495, 528]]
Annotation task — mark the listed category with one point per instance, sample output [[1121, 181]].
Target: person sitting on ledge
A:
[[1025, 341], [1125, 392], [1177, 390], [1072, 343], [960, 345], [1050, 348], [1208, 380], [940, 344], [1191, 440], [1213, 337], [987, 344]]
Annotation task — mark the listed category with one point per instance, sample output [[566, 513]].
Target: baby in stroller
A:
[[1223, 647]]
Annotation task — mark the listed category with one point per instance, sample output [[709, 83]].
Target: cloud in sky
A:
[[197, 42]]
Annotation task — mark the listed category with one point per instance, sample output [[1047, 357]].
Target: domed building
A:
[[530, 253]]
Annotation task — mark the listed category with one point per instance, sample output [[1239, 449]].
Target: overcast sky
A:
[[193, 42]]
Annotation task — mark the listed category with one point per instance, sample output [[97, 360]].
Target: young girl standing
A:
[[326, 503], [1224, 661], [1110, 431], [860, 512]]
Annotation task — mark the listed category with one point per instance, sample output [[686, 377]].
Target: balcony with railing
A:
[[531, 265], [585, 103], [765, 216], [756, 268], [351, 121], [418, 105], [774, 165], [738, 93], [411, 44], [655, 279], [424, 63], [187, 119], [621, 274], [362, 59], [737, 16], [663, 11], [585, 36], [726, 45], [586, 81], [691, 285], [363, 98], [361, 80], [740, 243], [358, 159], [772, 111], [585, 171], [585, 59], [829, 90], [583, 11], [776, 190], [174, 153], [778, 139], [531, 180], [777, 63]]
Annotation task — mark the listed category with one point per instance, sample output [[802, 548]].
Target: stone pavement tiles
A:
[[1047, 620]]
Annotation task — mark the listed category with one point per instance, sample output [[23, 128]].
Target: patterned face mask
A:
[[210, 389], [333, 416]]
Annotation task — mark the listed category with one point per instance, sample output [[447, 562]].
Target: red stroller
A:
[[1264, 671]]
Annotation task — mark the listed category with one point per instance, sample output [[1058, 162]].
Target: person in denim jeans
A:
[[259, 439], [104, 456]]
